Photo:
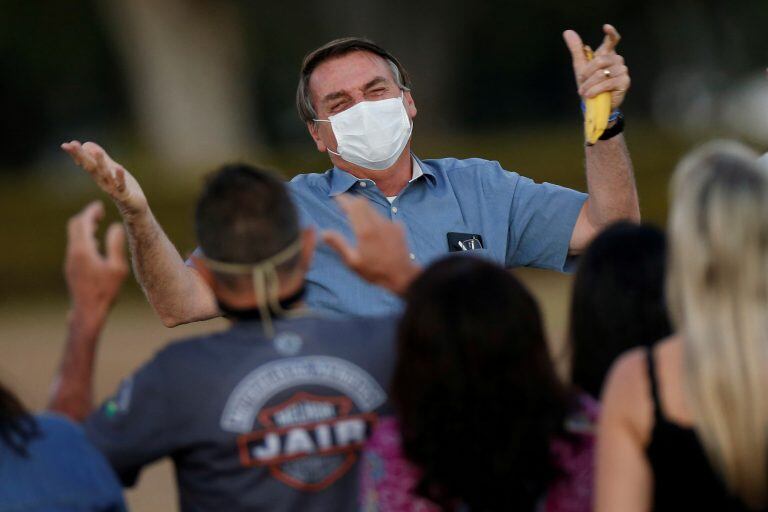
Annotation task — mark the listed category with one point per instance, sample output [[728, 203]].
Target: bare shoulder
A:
[[628, 375], [669, 348], [626, 396]]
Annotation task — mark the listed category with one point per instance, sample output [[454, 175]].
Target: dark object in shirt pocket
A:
[[458, 242]]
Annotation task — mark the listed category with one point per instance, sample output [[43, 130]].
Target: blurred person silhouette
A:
[[483, 421], [356, 101], [47, 464], [46, 461], [684, 424], [617, 302], [270, 414]]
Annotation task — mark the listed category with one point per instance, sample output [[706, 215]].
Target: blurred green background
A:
[[173, 88]]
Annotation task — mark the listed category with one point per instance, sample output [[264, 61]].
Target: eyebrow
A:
[[375, 81], [343, 94]]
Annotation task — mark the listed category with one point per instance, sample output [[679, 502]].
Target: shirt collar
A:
[[342, 181]]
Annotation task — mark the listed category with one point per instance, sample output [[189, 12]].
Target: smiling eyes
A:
[[344, 103]]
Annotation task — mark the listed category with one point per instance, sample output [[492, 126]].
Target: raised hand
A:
[[109, 175], [94, 280], [381, 256], [606, 72]]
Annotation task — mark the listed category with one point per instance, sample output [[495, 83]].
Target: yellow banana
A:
[[597, 110]]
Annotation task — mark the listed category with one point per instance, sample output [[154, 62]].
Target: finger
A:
[[576, 47], [81, 227], [338, 243], [75, 151], [358, 212], [105, 170], [619, 84], [120, 179], [610, 41], [599, 76], [115, 249], [362, 210], [93, 149], [599, 63]]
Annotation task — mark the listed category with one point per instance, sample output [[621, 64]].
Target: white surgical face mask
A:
[[371, 134]]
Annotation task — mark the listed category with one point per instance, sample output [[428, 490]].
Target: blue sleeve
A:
[[189, 261], [63, 468], [132, 429], [542, 218]]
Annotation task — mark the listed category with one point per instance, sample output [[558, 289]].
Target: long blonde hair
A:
[[717, 288]]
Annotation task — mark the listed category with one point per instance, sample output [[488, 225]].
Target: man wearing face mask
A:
[[355, 98]]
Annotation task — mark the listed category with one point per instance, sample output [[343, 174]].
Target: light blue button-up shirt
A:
[[521, 223]]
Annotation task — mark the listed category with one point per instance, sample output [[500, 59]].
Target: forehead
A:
[[347, 72]]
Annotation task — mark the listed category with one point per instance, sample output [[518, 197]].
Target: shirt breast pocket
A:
[[461, 242]]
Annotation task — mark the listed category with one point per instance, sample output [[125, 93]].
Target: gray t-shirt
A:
[[253, 423]]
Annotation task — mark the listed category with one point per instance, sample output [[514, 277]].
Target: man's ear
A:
[[308, 244], [410, 105], [314, 131]]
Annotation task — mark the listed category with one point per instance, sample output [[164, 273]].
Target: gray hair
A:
[[337, 48]]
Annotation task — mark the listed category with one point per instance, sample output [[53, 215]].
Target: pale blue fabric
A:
[[521, 223]]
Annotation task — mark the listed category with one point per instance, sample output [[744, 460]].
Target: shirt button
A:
[[394, 209], [363, 184], [413, 256]]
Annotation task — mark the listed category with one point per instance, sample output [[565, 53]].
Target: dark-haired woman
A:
[[618, 301], [483, 421]]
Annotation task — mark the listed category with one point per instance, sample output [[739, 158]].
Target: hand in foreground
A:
[[94, 280], [110, 176], [606, 72], [381, 256]]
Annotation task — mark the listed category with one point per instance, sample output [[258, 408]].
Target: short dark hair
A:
[[475, 387], [338, 48], [618, 300], [244, 215]]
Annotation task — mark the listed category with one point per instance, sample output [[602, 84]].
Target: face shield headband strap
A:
[[265, 281]]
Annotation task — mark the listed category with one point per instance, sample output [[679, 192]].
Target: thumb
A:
[[576, 47], [116, 245], [338, 243]]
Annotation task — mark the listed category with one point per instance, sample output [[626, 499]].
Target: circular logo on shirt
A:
[[287, 343]]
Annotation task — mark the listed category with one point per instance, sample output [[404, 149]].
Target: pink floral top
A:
[[388, 477]]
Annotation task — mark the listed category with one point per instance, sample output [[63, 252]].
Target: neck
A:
[[247, 300], [389, 181]]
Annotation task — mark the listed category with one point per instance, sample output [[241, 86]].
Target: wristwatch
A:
[[617, 128]]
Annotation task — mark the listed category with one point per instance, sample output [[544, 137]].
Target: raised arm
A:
[[93, 281], [176, 291], [610, 179]]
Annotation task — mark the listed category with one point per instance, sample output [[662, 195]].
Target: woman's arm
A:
[[624, 479]]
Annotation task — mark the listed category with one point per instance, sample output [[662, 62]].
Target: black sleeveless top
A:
[[683, 477]]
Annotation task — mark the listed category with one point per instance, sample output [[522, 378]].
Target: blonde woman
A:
[[685, 425]]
